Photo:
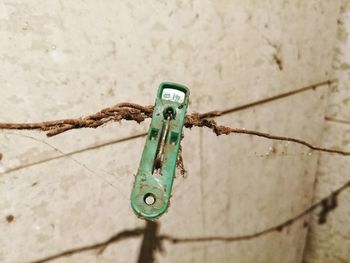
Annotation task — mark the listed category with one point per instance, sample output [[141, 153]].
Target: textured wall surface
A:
[[331, 242], [70, 58]]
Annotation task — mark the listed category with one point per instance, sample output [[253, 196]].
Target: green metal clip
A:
[[154, 179]]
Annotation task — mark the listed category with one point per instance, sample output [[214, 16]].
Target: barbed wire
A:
[[135, 112], [138, 113]]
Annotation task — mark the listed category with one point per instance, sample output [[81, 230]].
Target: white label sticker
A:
[[173, 95]]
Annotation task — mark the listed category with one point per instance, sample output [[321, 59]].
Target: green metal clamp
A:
[[154, 179]]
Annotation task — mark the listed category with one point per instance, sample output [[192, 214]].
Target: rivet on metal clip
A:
[[154, 179]]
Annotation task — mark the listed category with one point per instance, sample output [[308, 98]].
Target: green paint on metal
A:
[[154, 179]]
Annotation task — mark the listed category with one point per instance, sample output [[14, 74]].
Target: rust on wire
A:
[[138, 113], [135, 112]]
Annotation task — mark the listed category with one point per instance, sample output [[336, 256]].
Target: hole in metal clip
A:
[[174, 136], [149, 199], [169, 112], [153, 134]]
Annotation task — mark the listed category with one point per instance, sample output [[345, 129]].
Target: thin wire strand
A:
[[195, 120], [84, 166], [327, 205], [138, 113]]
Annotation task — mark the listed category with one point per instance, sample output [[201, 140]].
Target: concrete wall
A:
[[331, 242], [71, 58]]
